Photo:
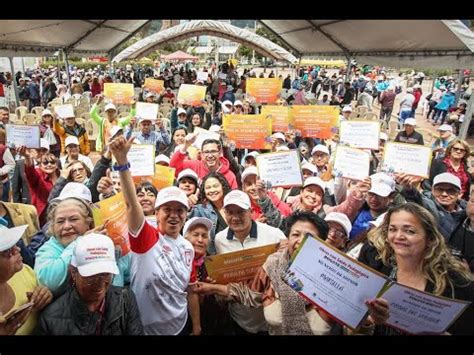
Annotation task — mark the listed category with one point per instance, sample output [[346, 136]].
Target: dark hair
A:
[[225, 185], [211, 141], [320, 224], [4, 108], [179, 127], [147, 186], [88, 171]]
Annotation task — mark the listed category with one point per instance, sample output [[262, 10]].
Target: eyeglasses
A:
[[337, 233], [10, 252], [450, 190], [462, 150], [46, 162], [209, 152]]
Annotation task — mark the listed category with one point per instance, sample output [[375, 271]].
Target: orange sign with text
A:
[[315, 121], [192, 95], [264, 90], [119, 93], [154, 85], [280, 116], [248, 131]]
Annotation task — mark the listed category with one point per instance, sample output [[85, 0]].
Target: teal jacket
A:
[[52, 262]]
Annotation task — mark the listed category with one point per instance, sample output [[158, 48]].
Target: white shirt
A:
[[407, 102], [83, 158]]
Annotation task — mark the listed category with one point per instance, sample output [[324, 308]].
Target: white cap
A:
[[94, 254], [170, 194], [383, 136], [238, 103], [385, 178], [340, 218], [279, 135], [162, 159], [114, 130], [282, 148], [150, 94], [251, 170], [46, 112], [196, 221], [409, 90], [227, 103], [44, 144], [253, 154], [181, 111], [347, 109], [410, 121], [310, 167], [76, 190], [110, 107], [188, 173], [447, 178], [320, 148], [314, 180], [10, 236], [379, 220], [445, 127], [239, 198], [71, 140], [381, 189]]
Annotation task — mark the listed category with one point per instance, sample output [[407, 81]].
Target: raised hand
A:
[[120, 147]]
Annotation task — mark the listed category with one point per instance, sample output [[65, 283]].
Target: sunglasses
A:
[[46, 162], [462, 150]]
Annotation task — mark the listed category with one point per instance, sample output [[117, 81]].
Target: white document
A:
[[418, 312], [360, 134], [64, 111], [222, 76], [406, 158], [334, 282], [147, 110], [280, 168], [351, 163], [142, 159], [202, 76], [19, 135]]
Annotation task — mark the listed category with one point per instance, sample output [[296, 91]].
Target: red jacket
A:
[[284, 208], [40, 186], [179, 163], [417, 94]]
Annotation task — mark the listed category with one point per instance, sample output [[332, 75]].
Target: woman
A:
[[339, 229], [91, 306], [177, 138], [71, 218], [146, 195], [409, 248], [214, 187], [40, 180], [455, 162], [188, 181], [18, 286], [76, 171], [95, 87], [47, 132], [196, 121], [286, 312]]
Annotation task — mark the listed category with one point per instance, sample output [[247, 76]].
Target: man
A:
[[409, 135], [386, 100], [72, 153], [243, 233], [4, 119], [320, 156], [406, 105], [169, 95], [366, 99], [147, 136], [346, 113], [34, 93], [445, 137], [212, 160], [287, 83], [162, 260], [23, 93], [348, 94], [324, 100]]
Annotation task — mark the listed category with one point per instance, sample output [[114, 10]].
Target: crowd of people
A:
[[61, 275]]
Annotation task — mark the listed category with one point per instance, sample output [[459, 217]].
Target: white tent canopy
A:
[[394, 43], [210, 28], [36, 38]]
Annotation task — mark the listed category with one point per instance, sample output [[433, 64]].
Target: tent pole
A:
[[67, 71], [467, 118], [348, 70], [460, 80], [15, 87]]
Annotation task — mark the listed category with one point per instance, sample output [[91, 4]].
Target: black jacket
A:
[[462, 240], [20, 189], [68, 315], [414, 138], [439, 167], [100, 170]]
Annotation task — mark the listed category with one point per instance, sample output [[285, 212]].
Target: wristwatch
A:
[[121, 167]]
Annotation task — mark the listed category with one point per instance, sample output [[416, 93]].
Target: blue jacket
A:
[[207, 211], [228, 95], [447, 100]]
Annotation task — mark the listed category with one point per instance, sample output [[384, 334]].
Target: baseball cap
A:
[[409, 90], [150, 94], [71, 140], [114, 130], [447, 178], [227, 103], [181, 111], [75, 190], [340, 218], [238, 103], [251, 170], [314, 180], [110, 107], [381, 189], [445, 127], [196, 221], [94, 254], [162, 159], [347, 109], [253, 154], [171, 194], [310, 167], [282, 148], [320, 148], [10, 236], [279, 135], [46, 112], [238, 198], [383, 136], [44, 144], [410, 121], [188, 173], [379, 220], [385, 178]]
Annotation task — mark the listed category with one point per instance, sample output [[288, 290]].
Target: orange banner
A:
[[164, 177], [192, 95], [114, 211], [119, 93], [248, 131], [281, 118], [264, 90], [316, 121], [154, 85], [238, 266]]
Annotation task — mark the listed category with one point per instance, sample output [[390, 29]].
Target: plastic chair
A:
[[85, 115], [80, 121], [21, 111], [361, 110], [37, 110], [30, 119], [92, 130], [123, 108], [370, 116], [13, 117], [123, 114]]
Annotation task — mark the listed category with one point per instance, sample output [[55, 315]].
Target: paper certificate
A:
[[192, 95], [264, 90], [280, 168], [238, 266], [281, 118], [157, 86], [119, 93], [407, 158], [164, 177], [202, 76], [351, 163], [315, 121], [248, 131], [142, 159], [64, 111], [418, 312], [114, 211], [147, 110], [334, 282], [21, 135], [360, 134]]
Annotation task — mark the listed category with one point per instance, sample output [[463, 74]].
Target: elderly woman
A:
[[285, 311], [76, 171], [409, 248], [92, 306], [71, 218], [18, 287]]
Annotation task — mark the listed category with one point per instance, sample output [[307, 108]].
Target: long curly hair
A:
[[225, 185], [437, 261]]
